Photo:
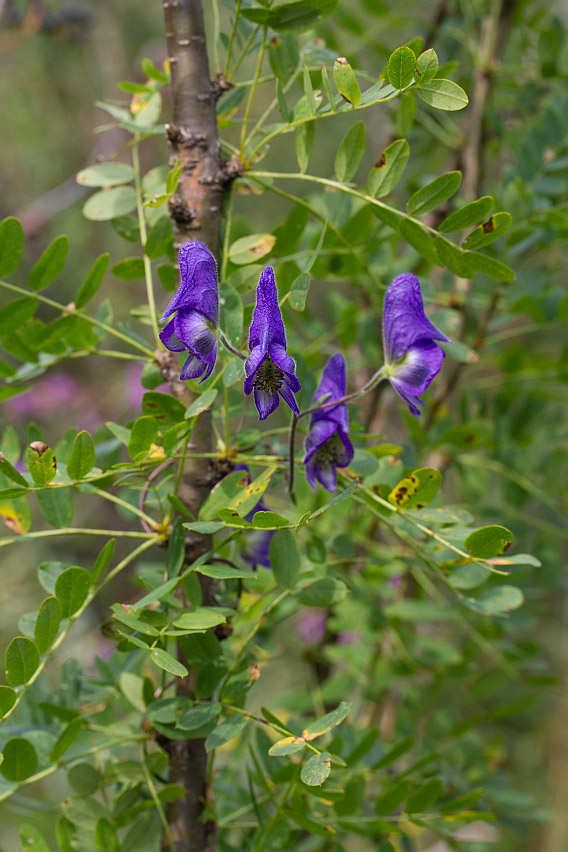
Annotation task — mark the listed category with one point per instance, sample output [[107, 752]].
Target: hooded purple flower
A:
[[256, 549], [327, 445], [412, 359], [194, 327], [269, 369]]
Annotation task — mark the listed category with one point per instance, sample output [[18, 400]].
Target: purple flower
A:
[[256, 550], [270, 371], [412, 359], [194, 327], [327, 445]]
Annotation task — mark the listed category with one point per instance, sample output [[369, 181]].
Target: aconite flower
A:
[[194, 326], [270, 371], [412, 358], [327, 444]]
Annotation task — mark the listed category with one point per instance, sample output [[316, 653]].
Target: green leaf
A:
[[82, 457], [10, 471], [65, 832], [284, 558], [298, 292], [231, 313], [16, 312], [8, 698], [160, 238], [400, 68], [316, 770], [309, 91], [390, 801], [323, 592], [433, 194], [11, 245], [103, 561], [21, 661], [489, 231], [50, 264], [237, 493], [41, 463], [468, 215], [284, 56], [176, 550], [304, 144], [198, 716], [350, 152], [489, 266], [47, 624], [199, 620], [250, 249], [71, 590], [487, 542], [152, 72], [287, 745], [171, 793], [454, 258], [419, 239], [84, 779], [20, 760], [92, 282], [105, 836], [168, 663], [443, 94], [106, 174], [462, 802], [424, 797], [229, 728], [393, 754], [268, 520], [327, 722], [346, 81], [417, 489], [497, 600], [226, 572], [130, 269], [389, 169], [300, 15], [167, 275], [110, 203], [326, 83], [163, 407], [143, 434], [31, 839], [56, 506], [66, 739], [426, 66]]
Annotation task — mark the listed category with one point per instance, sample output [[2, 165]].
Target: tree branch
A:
[[195, 210]]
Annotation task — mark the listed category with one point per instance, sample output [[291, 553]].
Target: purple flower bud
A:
[[412, 359], [327, 445], [270, 371], [194, 326]]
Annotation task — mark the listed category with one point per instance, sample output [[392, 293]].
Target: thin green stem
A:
[[65, 309], [227, 233], [229, 346], [143, 237], [273, 103], [226, 418], [326, 113], [157, 803], [232, 36], [296, 199], [245, 50], [216, 36], [251, 95], [272, 822], [334, 184], [112, 498], [72, 531]]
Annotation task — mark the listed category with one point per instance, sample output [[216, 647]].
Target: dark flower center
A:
[[331, 451], [268, 377]]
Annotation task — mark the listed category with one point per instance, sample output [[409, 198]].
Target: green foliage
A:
[[389, 592]]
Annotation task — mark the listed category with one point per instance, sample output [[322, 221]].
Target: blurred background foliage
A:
[[495, 421]]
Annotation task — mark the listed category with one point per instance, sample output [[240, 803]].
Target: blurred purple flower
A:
[[327, 445], [412, 359], [49, 395], [270, 371], [348, 637], [312, 625], [194, 326], [256, 550]]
